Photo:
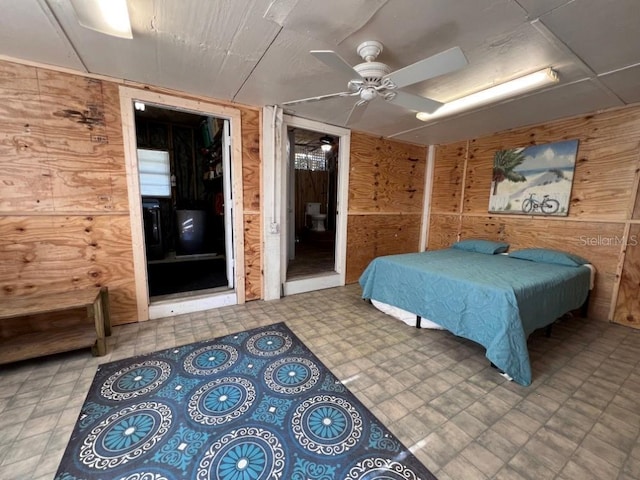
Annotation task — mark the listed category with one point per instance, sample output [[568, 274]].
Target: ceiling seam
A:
[[55, 22], [275, 37], [554, 40]]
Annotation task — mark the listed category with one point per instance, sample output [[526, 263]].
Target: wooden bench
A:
[[46, 324]]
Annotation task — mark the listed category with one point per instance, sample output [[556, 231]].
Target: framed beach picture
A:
[[533, 180]]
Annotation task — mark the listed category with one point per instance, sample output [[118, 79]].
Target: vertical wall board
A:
[[76, 140], [636, 207], [251, 163], [628, 302], [371, 236], [447, 177], [443, 231], [385, 175], [251, 168], [598, 243], [24, 177], [18, 78], [48, 254], [252, 248], [386, 189], [112, 114]]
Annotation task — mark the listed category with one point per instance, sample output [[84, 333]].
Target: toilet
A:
[[317, 218]]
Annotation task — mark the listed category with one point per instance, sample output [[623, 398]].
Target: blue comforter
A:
[[494, 300]]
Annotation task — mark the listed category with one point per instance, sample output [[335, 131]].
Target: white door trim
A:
[[274, 176], [426, 201], [127, 97]]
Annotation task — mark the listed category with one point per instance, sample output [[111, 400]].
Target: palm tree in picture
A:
[[504, 164]]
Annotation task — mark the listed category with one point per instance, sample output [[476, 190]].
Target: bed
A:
[[494, 300]]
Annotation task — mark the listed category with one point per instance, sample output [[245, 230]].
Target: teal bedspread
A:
[[494, 300]]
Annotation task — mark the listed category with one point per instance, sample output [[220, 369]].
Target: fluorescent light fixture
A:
[[110, 17], [493, 94]]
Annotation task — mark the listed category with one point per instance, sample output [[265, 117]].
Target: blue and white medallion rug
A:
[[254, 405]]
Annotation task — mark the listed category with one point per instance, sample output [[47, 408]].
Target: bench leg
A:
[[99, 348], [104, 300]]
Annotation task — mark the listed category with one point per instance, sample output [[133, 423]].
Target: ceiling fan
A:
[[370, 80]]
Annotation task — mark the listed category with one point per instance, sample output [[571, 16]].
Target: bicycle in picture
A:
[[547, 205]]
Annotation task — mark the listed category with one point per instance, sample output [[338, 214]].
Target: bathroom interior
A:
[[181, 182], [313, 197]]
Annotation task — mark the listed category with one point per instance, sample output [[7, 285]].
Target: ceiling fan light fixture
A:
[[110, 17], [494, 94]]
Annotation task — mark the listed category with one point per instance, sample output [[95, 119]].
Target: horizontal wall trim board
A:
[[534, 217], [70, 213], [398, 214]]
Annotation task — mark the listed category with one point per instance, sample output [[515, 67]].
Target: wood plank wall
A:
[[386, 188], [602, 201], [64, 219]]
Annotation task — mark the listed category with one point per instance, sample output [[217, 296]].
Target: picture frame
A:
[[533, 180]]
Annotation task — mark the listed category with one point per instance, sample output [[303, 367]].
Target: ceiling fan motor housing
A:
[[372, 72]]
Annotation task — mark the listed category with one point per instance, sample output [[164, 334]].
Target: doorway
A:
[[183, 177], [313, 243], [312, 200], [182, 169]]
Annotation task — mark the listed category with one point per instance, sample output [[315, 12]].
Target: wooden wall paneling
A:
[[385, 175], [627, 310], [25, 180], [76, 139], [605, 166], [252, 249], [45, 254], [443, 231], [113, 131], [251, 162], [19, 78], [448, 177], [597, 242], [252, 202], [370, 236]]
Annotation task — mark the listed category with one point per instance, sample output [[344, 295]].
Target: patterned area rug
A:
[[254, 405]]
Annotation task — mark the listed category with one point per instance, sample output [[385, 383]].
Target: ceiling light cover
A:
[[326, 143], [494, 94], [110, 17]]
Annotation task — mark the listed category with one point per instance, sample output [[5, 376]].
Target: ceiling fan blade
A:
[[356, 112], [335, 61], [434, 66], [320, 97], [414, 102]]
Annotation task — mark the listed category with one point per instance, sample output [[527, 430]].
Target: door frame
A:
[[191, 302], [275, 188]]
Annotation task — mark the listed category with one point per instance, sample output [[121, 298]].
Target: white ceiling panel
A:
[[198, 46], [288, 72], [626, 83], [535, 8], [603, 33], [319, 20], [582, 97], [28, 31]]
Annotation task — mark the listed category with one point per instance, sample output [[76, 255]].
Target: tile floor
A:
[[579, 420]]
